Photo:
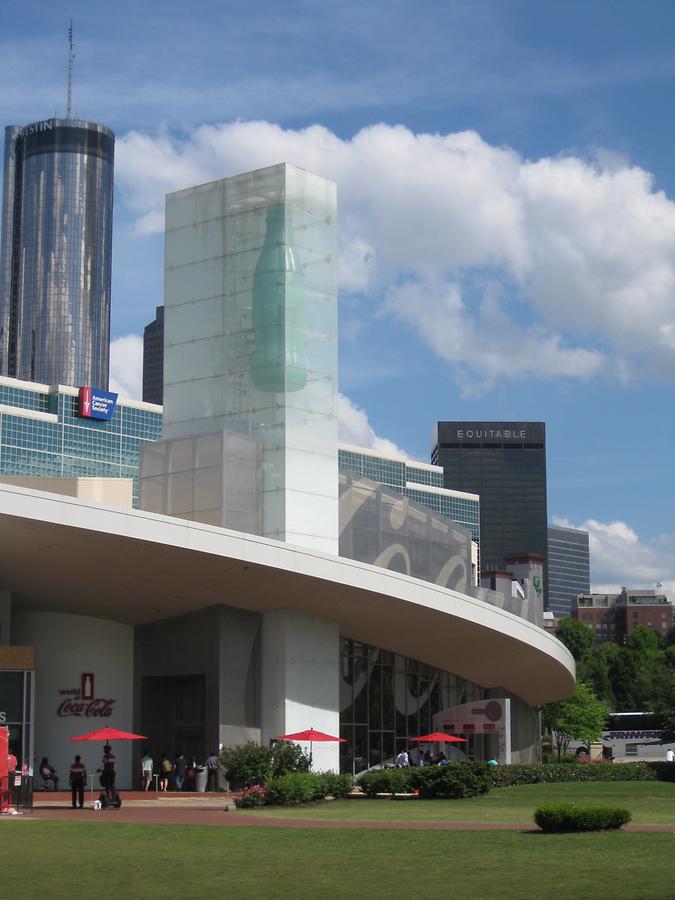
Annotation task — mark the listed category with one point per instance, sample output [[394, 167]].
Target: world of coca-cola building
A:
[[221, 611]]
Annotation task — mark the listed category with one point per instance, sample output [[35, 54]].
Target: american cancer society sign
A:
[[95, 404]]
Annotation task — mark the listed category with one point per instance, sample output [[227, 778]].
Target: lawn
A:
[[56, 859], [650, 802]]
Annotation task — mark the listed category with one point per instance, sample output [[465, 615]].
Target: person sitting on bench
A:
[[49, 776]]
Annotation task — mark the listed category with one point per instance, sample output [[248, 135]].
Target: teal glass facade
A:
[[410, 480], [45, 436]]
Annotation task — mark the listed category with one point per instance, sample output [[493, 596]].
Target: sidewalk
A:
[[165, 799]]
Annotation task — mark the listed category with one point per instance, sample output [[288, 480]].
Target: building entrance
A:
[[173, 715]]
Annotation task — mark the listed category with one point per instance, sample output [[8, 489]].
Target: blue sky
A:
[[507, 196]]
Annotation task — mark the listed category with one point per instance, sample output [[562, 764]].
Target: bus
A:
[[634, 736]]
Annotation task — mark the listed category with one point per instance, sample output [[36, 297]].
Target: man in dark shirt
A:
[[78, 777], [108, 762], [179, 770], [212, 768]]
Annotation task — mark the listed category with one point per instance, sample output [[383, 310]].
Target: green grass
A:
[[55, 859], [650, 802]]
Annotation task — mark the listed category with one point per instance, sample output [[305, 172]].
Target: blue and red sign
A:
[[95, 404]]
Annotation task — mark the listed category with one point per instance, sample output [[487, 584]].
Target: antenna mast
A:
[[71, 57]]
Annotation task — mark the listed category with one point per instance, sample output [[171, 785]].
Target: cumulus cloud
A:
[[504, 266], [126, 366], [620, 558], [356, 429]]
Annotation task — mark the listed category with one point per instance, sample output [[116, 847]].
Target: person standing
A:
[[165, 769], [78, 779], [146, 769], [108, 764], [670, 755], [212, 770], [179, 770]]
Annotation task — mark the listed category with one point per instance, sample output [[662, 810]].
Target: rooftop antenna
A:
[[71, 57]]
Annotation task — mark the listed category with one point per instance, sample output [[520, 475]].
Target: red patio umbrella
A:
[[439, 737], [108, 734], [310, 735]]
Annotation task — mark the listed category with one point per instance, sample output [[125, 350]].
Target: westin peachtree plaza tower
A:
[[55, 255]]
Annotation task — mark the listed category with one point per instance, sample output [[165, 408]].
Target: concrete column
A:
[[300, 680]]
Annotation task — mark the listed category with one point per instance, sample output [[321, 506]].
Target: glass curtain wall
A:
[[251, 335], [386, 699]]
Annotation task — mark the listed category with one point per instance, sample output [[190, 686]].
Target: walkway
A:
[[218, 809]]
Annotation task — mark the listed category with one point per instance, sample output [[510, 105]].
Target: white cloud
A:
[[356, 429], [620, 558], [484, 344], [505, 266], [126, 366]]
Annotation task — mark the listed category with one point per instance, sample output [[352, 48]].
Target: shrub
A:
[[663, 771], [251, 797], [288, 756], [385, 781], [533, 773], [557, 817], [295, 788], [455, 781], [247, 764], [337, 784]]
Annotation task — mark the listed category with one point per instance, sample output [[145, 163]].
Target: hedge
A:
[[336, 784], [385, 781], [294, 789], [664, 771], [557, 817], [456, 781], [533, 773], [453, 781]]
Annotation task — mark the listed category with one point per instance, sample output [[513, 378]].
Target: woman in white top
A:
[[146, 770]]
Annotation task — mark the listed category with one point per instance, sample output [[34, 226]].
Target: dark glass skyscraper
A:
[[505, 463], [153, 359], [55, 256]]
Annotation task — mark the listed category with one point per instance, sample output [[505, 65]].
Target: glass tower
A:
[[55, 256], [569, 570], [250, 339]]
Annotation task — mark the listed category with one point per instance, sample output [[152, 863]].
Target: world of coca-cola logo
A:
[[82, 701]]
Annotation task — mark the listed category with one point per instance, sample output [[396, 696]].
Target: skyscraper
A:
[[153, 359], [505, 463], [55, 255], [569, 570]]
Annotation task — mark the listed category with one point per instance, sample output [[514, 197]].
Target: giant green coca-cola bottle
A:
[[279, 301]]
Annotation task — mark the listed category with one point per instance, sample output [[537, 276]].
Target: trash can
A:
[[200, 779]]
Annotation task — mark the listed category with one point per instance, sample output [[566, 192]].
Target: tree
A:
[[664, 707], [580, 718], [594, 671], [577, 637]]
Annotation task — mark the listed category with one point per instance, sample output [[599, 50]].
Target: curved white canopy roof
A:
[[63, 555]]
